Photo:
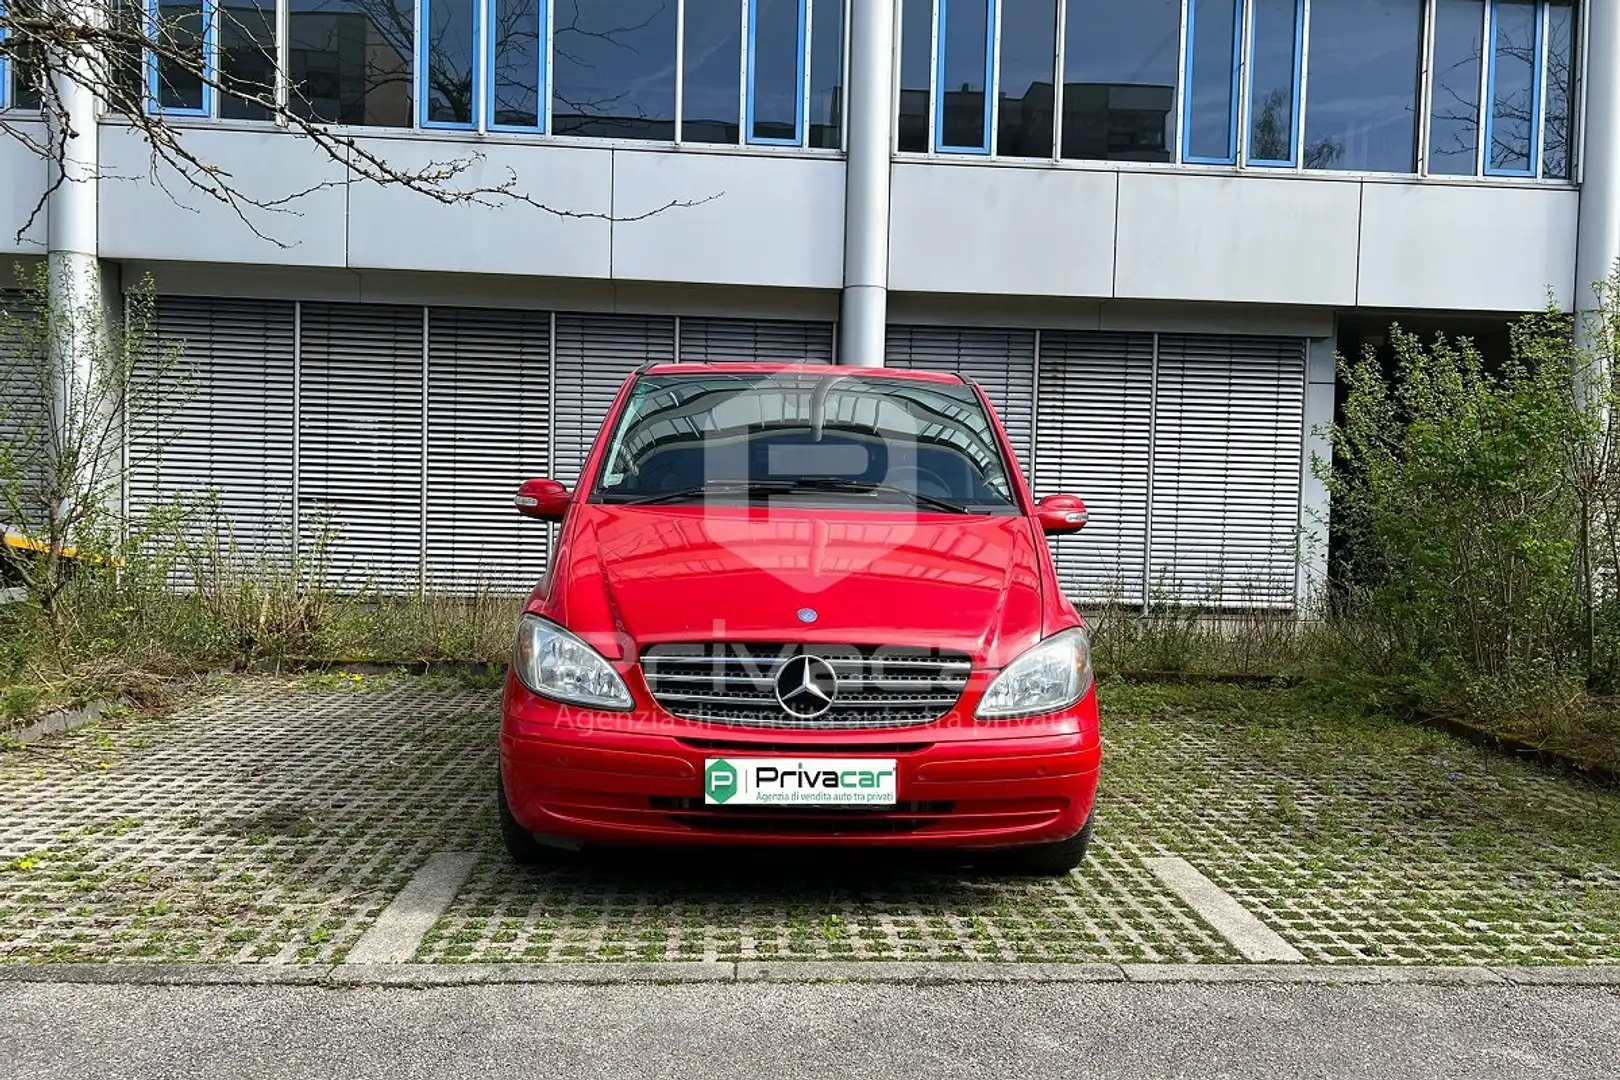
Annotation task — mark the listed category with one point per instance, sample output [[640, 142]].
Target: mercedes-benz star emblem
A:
[[808, 615], [806, 686]]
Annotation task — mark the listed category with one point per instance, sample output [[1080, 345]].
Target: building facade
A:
[[1145, 227]]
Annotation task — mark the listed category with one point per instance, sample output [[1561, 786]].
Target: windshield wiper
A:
[[697, 491], [862, 487]]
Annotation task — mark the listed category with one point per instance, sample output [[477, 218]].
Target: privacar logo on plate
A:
[[800, 782]]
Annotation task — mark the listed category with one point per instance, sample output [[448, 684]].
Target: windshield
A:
[[808, 438]]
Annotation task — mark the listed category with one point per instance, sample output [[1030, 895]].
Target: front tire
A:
[[1056, 859], [520, 843]]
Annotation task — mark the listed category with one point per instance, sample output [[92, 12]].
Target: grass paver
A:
[[271, 820]]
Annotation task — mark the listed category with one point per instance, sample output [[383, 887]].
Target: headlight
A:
[[1050, 676], [556, 664]]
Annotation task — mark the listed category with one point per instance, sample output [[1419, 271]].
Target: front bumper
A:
[[636, 778]]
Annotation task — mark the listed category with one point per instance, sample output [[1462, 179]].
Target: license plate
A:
[[752, 781]]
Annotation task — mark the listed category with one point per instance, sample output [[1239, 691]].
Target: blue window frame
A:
[[1276, 44], [1209, 129], [5, 70], [967, 34], [448, 33], [515, 52], [775, 113], [1513, 87], [172, 89]]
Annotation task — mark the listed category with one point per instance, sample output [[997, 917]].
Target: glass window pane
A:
[[1274, 62], [26, 92], [1513, 86], [827, 73], [1213, 48], [1119, 80], [126, 75], [1558, 133], [516, 80], [613, 70], [1028, 58], [180, 33], [350, 61], [451, 28], [916, 70], [1362, 99], [1459, 29], [247, 58], [964, 45], [775, 76], [712, 99]]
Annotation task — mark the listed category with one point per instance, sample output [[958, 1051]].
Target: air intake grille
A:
[[877, 686]]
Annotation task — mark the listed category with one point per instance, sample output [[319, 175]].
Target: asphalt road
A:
[[784, 1032]]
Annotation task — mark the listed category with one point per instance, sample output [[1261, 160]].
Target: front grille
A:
[[878, 686]]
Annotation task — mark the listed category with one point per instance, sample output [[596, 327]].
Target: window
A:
[[1514, 85], [1503, 93], [962, 113], [5, 70], [517, 61], [1361, 102], [1119, 80], [1275, 34], [1026, 95], [351, 61], [776, 70], [916, 73], [614, 68], [247, 58], [711, 96], [1558, 129], [1213, 60], [827, 73], [1454, 116], [450, 85], [183, 29]]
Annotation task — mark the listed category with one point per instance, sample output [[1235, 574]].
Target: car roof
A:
[[780, 367]]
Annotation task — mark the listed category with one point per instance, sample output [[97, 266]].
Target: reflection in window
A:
[[614, 71], [350, 61], [1212, 54], [1119, 80], [450, 93], [964, 49], [776, 77], [1361, 101], [518, 74], [1558, 132], [827, 74], [1454, 116], [712, 95], [179, 30], [916, 73], [247, 58], [1024, 73], [1273, 81], [1515, 30], [24, 74]]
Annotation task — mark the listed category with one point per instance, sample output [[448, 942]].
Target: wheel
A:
[[520, 842], [1044, 860]]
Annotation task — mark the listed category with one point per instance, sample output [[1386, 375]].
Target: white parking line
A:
[[399, 930], [1253, 939]]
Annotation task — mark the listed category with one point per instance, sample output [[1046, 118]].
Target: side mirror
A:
[[543, 499], [1060, 514]]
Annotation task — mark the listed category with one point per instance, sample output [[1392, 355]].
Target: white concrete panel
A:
[[961, 228], [1265, 240], [153, 212], [394, 228], [761, 220], [1463, 247], [22, 179]]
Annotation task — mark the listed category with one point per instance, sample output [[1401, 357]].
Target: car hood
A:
[[635, 576]]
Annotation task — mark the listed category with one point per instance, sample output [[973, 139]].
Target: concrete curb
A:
[[918, 973]]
